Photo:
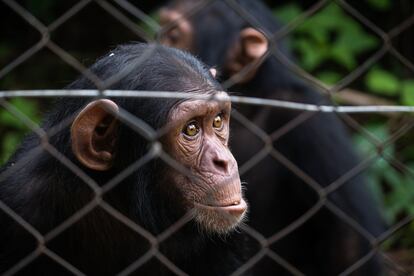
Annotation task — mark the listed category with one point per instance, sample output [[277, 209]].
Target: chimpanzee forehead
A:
[[184, 4], [219, 101], [169, 16]]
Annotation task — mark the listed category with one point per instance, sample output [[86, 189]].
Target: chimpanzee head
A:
[[195, 133], [219, 35]]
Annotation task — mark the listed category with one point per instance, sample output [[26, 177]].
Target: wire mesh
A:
[[157, 151]]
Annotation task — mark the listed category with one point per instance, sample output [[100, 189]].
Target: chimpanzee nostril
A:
[[220, 164]]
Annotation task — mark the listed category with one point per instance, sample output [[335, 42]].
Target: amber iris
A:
[[191, 129], [218, 122]]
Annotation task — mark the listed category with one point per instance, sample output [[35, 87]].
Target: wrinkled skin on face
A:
[[198, 140]]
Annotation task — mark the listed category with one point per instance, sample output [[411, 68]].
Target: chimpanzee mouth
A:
[[237, 207], [234, 203]]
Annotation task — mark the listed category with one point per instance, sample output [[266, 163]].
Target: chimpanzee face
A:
[[242, 57], [199, 141]]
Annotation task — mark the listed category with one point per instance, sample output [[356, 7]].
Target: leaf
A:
[[344, 57], [310, 55], [7, 119], [382, 82], [320, 39], [323, 19], [329, 77], [288, 12], [355, 39], [27, 107], [407, 91], [380, 4], [380, 132], [10, 142]]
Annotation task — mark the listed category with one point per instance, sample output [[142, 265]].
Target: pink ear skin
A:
[[94, 133], [254, 43], [247, 51]]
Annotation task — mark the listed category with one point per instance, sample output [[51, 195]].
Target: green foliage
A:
[[408, 92], [13, 128], [385, 83], [391, 187], [288, 12], [333, 39], [380, 4], [329, 36], [330, 45], [382, 82], [26, 107], [375, 173], [329, 77], [10, 142]]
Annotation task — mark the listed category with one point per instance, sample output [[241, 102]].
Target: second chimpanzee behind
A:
[[312, 153]]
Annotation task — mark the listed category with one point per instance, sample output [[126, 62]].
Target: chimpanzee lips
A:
[[222, 204], [236, 208]]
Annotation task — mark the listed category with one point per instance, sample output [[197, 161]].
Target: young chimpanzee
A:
[[309, 151], [88, 219]]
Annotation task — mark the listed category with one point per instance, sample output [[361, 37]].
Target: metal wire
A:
[[156, 151]]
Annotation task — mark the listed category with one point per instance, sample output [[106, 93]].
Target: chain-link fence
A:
[[128, 14]]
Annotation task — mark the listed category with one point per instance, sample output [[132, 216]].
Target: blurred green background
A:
[[329, 45]]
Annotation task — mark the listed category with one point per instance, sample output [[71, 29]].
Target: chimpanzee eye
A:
[[173, 35], [218, 121], [191, 129]]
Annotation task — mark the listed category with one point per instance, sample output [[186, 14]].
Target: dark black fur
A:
[[45, 192], [319, 146]]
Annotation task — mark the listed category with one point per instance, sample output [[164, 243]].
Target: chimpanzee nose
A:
[[221, 164], [217, 158]]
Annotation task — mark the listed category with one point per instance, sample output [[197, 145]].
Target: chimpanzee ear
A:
[[94, 133], [251, 46], [254, 43]]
